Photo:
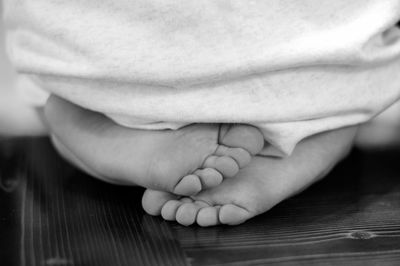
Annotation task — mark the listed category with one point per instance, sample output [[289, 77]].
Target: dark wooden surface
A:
[[51, 214]]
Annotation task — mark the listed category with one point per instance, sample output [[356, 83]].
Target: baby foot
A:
[[253, 191], [183, 161], [261, 185]]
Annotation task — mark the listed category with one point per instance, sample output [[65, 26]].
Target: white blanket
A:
[[293, 68]]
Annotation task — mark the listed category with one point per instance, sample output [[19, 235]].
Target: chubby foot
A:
[[183, 162], [253, 191], [258, 187]]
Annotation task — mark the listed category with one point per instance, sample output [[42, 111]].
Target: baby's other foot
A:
[[258, 187], [183, 161], [253, 191]]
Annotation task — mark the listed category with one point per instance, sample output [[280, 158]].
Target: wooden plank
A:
[[68, 218], [350, 218]]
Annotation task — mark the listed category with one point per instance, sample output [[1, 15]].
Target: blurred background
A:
[[18, 117]]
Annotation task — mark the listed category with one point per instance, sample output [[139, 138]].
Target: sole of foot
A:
[[184, 162], [256, 189]]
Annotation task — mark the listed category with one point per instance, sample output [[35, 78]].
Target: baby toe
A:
[[208, 216], [241, 156], [223, 164], [209, 177], [187, 213], [243, 136], [186, 200], [233, 215], [153, 201], [168, 211], [188, 185]]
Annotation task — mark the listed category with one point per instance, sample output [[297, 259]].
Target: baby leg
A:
[[258, 187], [183, 161]]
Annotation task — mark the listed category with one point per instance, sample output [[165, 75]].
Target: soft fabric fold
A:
[[291, 68]]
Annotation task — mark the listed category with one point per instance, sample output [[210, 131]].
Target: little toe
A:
[[168, 211], [240, 155], [187, 213], [233, 215], [227, 166], [208, 216], [243, 136], [153, 201], [209, 177], [188, 185]]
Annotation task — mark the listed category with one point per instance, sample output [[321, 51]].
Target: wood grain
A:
[[52, 214]]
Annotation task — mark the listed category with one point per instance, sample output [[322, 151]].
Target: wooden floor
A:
[[51, 214]]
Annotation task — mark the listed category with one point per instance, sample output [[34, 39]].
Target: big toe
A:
[[242, 136]]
